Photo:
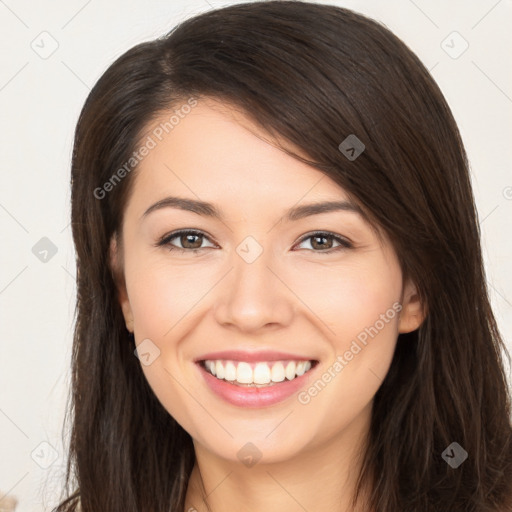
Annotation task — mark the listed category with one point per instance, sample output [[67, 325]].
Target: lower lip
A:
[[243, 396]]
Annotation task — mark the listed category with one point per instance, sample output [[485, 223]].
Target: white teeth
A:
[[263, 373], [219, 370], [278, 372], [230, 371], [290, 370], [244, 373]]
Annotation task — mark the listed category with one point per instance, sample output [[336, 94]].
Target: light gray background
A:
[[40, 99]]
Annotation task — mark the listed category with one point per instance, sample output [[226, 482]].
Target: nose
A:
[[253, 296]]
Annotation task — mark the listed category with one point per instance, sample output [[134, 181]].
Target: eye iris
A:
[[187, 238], [321, 245]]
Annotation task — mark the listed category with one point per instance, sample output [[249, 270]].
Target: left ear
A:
[[413, 310], [119, 280]]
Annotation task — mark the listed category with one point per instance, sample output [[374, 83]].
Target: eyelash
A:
[[166, 239]]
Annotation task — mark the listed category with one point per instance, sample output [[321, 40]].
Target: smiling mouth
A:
[[257, 374]]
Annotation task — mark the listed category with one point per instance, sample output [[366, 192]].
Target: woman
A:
[[281, 297]]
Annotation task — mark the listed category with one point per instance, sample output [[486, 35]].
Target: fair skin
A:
[[294, 297]]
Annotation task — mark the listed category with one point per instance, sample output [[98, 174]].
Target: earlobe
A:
[[113, 260], [128, 316], [118, 277], [413, 310]]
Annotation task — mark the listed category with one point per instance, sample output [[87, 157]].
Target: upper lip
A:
[[261, 355]]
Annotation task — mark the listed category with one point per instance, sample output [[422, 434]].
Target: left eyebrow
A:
[[299, 212], [210, 210]]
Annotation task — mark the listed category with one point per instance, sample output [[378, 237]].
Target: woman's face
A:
[[260, 281]]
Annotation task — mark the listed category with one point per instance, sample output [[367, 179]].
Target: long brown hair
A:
[[312, 75]]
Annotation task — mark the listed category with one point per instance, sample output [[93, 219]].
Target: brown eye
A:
[[323, 242], [188, 241], [191, 241]]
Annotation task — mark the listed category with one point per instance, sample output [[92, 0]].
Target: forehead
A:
[[217, 153]]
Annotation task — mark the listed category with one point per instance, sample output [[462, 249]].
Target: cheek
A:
[[349, 298], [165, 301], [358, 307], [163, 295]]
